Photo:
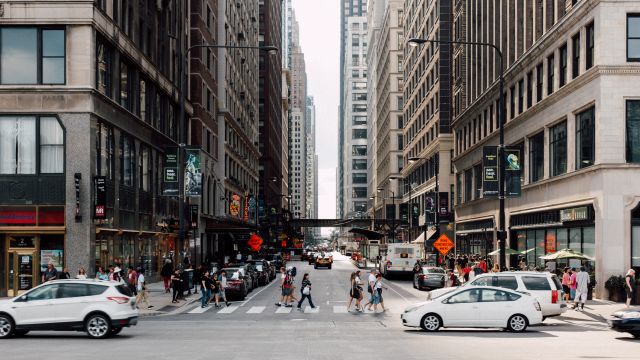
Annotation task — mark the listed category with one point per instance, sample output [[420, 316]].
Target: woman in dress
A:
[[629, 281]]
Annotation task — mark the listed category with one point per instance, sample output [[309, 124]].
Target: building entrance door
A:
[[20, 270]]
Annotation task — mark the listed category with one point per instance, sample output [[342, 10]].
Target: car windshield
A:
[[433, 270], [232, 274], [259, 267]]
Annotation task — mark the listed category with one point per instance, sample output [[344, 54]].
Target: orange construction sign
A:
[[443, 244]]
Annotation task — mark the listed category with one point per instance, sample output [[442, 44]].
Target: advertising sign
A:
[[192, 173], [56, 257], [193, 210], [100, 203], [443, 206], [246, 207], [513, 172], [490, 171], [170, 175], [234, 205]]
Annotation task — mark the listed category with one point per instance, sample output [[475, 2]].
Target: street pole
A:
[[393, 221], [501, 120]]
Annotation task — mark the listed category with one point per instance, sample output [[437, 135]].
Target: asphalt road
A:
[[257, 329]]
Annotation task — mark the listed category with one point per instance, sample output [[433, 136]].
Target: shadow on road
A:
[[482, 333]]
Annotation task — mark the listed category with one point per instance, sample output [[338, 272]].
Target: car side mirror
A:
[[23, 298]]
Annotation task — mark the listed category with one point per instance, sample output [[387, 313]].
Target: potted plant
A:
[[615, 286]]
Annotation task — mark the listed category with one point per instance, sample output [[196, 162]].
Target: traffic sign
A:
[[443, 244]]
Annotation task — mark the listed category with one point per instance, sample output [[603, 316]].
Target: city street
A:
[[255, 328]]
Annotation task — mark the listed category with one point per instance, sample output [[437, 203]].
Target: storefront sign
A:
[[234, 206], [26, 282], [574, 214], [490, 171], [56, 257], [77, 177], [513, 172], [170, 178], [246, 207], [22, 216], [21, 242], [99, 209], [192, 173]]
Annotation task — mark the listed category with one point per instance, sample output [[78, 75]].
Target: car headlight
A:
[[630, 315], [411, 308]]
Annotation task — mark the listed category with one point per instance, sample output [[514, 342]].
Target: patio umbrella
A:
[[566, 254], [526, 251], [507, 251]]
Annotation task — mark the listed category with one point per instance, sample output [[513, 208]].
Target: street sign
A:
[[443, 244], [490, 171]]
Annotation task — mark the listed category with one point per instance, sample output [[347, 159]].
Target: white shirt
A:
[[582, 280], [378, 285], [223, 282], [140, 282], [372, 279]]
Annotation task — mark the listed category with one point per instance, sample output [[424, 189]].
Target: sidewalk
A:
[[161, 301], [596, 310]]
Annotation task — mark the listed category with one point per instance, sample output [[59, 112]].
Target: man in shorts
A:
[[285, 286]]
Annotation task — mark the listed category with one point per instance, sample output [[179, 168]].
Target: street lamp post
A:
[[181, 120], [501, 119]]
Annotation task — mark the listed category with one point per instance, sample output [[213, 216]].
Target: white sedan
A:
[[475, 306]]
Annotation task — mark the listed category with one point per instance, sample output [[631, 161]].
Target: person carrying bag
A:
[[306, 292]]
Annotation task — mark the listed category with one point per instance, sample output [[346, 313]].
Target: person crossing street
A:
[[205, 289], [305, 292]]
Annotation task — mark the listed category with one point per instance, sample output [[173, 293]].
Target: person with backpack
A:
[[285, 286], [305, 292]]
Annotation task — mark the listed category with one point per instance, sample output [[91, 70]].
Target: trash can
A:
[[189, 278]]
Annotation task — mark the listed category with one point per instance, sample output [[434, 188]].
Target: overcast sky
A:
[[320, 39]]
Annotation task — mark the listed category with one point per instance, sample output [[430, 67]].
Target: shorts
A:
[[286, 291], [581, 296], [573, 293], [566, 289], [355, 294], [629, 293]]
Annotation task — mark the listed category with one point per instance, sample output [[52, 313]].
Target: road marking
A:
[[340, 309], [309, 310], [199, 309], [276, 280], [394, 290], [228, 310], [283, 310], [256, 309]]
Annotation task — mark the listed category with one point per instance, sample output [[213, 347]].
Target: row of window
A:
[[30, 55]]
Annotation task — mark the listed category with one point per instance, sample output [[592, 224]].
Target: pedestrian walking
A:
[[141, 287], [377, 294], [351, 280], [166, 272], [176, 285], [205, 289], [566, 280], [572, 283], [197, 277], [64, 274], [356, 288], [629, 281], [132, 277], [222, 295], [371, 280], [50, 273], [305, 292], [101, 274], [82, 274], [582, 288], [215, 288]]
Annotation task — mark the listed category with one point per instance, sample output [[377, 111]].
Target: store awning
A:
[[369, 234]]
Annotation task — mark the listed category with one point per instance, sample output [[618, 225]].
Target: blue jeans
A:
[[206, 295], [307, 297]]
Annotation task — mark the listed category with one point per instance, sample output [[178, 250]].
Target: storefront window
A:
[[635, 246]]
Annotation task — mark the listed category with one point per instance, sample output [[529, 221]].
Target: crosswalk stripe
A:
[[340, 309], [256, 309], [283, 310], [228, 310], [309, 310], [199, 310]]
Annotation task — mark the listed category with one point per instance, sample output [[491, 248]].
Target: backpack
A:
[[288, 281], [293, 271]]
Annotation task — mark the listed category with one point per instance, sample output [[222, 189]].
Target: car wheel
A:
[[115, 331], [431, 322], [97, 326], [315, 266], [329, 267], [6, 326], [635, 334], [517, 323]]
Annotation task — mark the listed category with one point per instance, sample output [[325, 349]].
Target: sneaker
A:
[[299, 308], [149, 307], [288, 305], [278, 304]]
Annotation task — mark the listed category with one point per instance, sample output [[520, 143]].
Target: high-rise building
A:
[[90, 108], [270, 113], [310, 165], [297, 126], [571, 130], [352, 181], [427, 138]]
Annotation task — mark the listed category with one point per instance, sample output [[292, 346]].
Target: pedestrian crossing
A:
[[254, 310]]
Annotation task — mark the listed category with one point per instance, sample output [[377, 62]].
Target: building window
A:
[[144, 165], [32, 56], [359, 178], [633, 37], [563, 65], [359, 192], [468, 188], [558, 149], [536, 157], [359, 164], [105, 151], [359, 133], [585, 138], [459, 189], [477, 174], [633, 131], [128, 158], [512, 102], [575, 57], [551, 68], [104, 69], [51, 146], [529, 89], [125, 86], [589, 42], [539, 76], [520, 96], [359, 150]]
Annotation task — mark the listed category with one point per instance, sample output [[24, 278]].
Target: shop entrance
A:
[[20, 270]]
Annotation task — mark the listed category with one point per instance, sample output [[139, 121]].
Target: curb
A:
[[179, 310]]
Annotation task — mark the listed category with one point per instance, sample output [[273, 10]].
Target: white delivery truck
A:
[[400, 260]]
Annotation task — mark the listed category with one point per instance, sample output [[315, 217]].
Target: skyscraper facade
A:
[[297, 126]]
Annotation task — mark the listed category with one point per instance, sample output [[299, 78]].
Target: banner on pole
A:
[[513, 172], [192, 173], [490, 183], [170, 185]]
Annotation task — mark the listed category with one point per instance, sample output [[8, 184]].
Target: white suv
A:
[[544, 286], [101, 308]]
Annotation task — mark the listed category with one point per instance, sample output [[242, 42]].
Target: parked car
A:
[[249, 273], [237, 283], [475, 306], [277, 260], [312, 258], [100, 308], [262, 271], [543, 286], [429, 277], [325, 260], [626, 321]]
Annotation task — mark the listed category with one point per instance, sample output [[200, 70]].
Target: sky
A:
[[320, 41]]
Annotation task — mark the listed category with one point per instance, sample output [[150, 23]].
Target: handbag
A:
[[306, 290]]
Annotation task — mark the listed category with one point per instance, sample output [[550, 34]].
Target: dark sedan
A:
[[236, 283], [429, 277], [626, 321]]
